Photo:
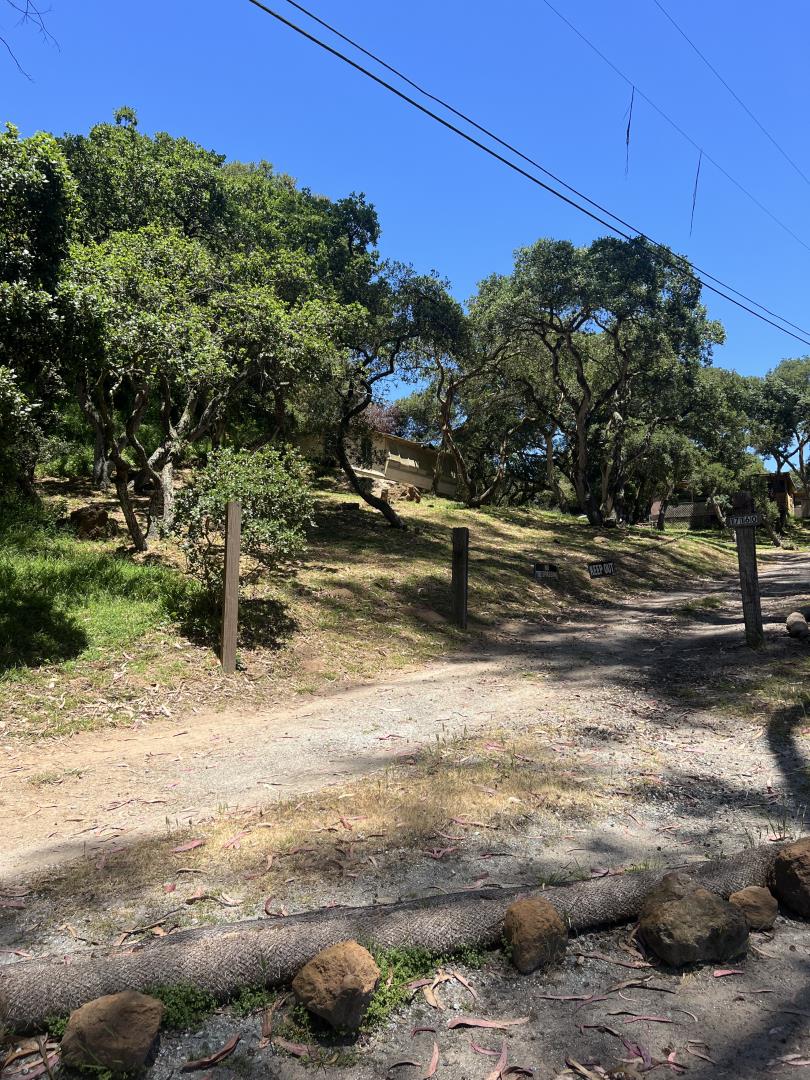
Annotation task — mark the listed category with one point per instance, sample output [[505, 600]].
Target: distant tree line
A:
[[158, 302]]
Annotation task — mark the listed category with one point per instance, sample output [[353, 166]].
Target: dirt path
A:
[[615, 679]]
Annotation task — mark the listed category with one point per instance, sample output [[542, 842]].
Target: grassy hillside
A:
[[91, 636]]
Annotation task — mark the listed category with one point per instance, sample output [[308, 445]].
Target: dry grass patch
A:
[[448, 802]]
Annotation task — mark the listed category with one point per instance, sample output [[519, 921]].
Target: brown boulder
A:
[[91, 523], [338, 983], [797, 625], [791, 877], [673, 886], [758, 905], [536, 933], [700, 927], [117, 1032]]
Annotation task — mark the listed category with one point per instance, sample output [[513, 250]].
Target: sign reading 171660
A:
[[743, 521], [605, 568]]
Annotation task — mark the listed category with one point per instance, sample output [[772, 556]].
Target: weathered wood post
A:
[[744, 521], [461, 553], [230, 585]]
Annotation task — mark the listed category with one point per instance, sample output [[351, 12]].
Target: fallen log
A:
[[268, 952]]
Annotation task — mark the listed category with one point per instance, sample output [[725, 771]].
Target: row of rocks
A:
[[119, 1032], [679, 922]]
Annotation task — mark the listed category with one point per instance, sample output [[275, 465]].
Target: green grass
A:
[[398, 967], [62, 600], [249, 999], [55, 1025], [184, 1005]]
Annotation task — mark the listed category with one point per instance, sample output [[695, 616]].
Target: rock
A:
[[759, 906], [337, 984], [699, 927], [791, 877], [91, 523], [117, 1032], [797, 625], [536, 933], [673, 886]]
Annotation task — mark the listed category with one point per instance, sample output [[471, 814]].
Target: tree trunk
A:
[[161, 502], [718, 513], [661, 523], [101, 463], [769, 529], [217, 435], [437, 468], [269, 952], [385, 508], [582, 483], [551, 472], [122, 491]]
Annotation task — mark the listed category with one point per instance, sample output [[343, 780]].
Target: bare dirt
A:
[[649, 698]]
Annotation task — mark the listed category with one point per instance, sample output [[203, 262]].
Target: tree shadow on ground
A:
[[264, 622], [33, 632]]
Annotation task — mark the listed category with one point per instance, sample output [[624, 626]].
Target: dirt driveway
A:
[[636, 674]]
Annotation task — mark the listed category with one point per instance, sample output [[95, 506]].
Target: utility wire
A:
[[673, 124], [536, 164], [731, 91], [674, 260]]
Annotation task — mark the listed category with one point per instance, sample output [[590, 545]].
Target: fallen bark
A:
[[263, 952]]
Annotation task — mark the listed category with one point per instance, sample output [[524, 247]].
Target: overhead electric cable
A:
[[677, 126], [731, 91], [524, 157], [627, 132], [694, 194], [535, 180]]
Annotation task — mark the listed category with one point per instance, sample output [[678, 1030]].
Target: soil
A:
[[650, 696]]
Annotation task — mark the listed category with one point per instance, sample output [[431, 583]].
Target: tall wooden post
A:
[[461, 554], [744, 521], [230, 585]]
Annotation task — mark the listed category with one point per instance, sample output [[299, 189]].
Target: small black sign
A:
[[743, 521], [607, 568], [545, 570]]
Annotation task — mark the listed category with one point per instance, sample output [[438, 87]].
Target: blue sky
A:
[[223, 73]]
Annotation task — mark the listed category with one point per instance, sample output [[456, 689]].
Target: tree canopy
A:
[[180, 303]]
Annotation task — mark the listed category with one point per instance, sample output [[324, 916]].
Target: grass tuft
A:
[[184, 1004]]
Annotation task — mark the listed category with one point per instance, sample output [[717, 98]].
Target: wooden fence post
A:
[[230, 585], [461, 551], [744, 521]]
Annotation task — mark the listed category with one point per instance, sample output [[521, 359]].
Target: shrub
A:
[[272, 486]]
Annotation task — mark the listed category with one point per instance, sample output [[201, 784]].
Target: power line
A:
[[731, 91], [531, 161], [673, 124], [805, 340], [524, 157]]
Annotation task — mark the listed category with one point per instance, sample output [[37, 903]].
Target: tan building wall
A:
[[403, 461]]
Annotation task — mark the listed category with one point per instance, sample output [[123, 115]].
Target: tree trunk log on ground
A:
[[269, 952]]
